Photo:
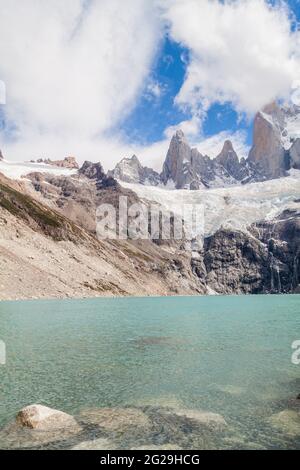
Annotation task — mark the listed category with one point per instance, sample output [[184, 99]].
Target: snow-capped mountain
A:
[[187, 168], [275, 150], [130, 170]]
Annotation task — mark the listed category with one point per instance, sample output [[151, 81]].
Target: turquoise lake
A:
[[226, 355]]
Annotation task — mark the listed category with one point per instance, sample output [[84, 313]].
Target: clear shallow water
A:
[[227, 355]]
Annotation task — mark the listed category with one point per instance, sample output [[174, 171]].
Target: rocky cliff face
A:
[[78, 197], [295, 155], [229, 160], [267, 150], [264, 259], [68, 162], [177, 166], [130, 170], [276, 132], [94, 171], [1, 156]]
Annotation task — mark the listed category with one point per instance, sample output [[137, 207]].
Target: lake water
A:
[[226, 355]]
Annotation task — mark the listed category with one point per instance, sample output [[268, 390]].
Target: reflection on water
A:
[[170, 373]]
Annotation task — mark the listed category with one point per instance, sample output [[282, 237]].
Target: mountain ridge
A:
[[275, 150]]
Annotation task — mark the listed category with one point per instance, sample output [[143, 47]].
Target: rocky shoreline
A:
[[136, 428]]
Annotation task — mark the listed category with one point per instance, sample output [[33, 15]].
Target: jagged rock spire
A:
[[178, 161], [229, 160], [267, 149], [130, 170]]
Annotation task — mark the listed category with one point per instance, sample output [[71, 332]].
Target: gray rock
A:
[[267, 149], [287, 422], [205, 418], [187, 168], [130, 170], [295, 155], [115, 419], [263, 259], [178, 163], [229, 160], [94, 171], [274, 148]]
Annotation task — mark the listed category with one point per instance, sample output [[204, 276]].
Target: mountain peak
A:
[[229, 160], [130, 170], [92, 170], [227, 147], [134, 158], [179, 155], [179, 135]]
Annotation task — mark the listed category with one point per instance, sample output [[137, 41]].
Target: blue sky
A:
[[152, 115], [102, 80]]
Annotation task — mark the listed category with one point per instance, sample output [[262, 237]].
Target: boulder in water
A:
[[42, 418], [287, 422], [205, 418], [116, 419]]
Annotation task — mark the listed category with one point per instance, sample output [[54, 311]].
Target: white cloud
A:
[[190, 127], [73, 68], [241, 51], [212, 146], [154, 90], [2, 93]]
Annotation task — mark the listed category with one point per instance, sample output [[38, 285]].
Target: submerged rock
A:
[[42, 418], [116, 419], [286, 421], [206, 418], [38, 426], [163, 401]]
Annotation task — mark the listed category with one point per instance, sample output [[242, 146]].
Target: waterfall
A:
[[295, 280], [274, 268], [272, 271], [278, 279]]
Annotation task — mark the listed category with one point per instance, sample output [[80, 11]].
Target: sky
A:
[[104, 79]]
